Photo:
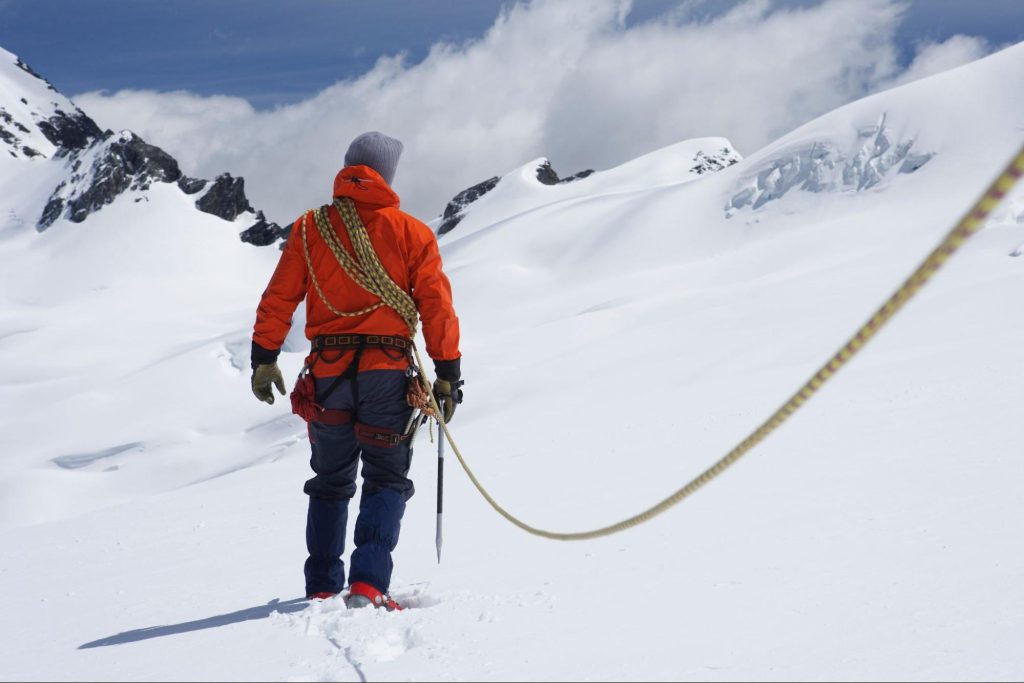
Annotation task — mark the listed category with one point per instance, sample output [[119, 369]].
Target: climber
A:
[[359, 366]]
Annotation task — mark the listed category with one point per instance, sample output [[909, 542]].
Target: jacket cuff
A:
[[448, 370], [262, 356]]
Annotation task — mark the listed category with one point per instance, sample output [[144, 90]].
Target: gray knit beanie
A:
[[376, 150]]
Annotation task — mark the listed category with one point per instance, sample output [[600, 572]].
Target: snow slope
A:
[[619, 337], [109, 263]]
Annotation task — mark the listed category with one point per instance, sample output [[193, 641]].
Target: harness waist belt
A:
[[355, 341]]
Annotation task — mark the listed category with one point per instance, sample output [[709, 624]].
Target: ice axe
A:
[[415, 421]]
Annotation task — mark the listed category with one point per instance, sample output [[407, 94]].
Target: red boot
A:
[[320, 596], [363, 595]]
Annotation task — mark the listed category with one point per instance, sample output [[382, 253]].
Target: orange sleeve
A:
[[286, 290], [432, 293]]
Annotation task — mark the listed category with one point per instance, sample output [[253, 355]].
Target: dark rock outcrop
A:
[[122, 163], [263, 233], [10, 129], [70, 132], [52, 211], [578, 176], [456, 208], [705, 163], [547, 175], [225, 198], [191, 185]]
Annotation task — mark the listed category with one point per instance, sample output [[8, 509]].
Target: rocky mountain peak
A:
[[102, 172], [70, 131], [37, 123]]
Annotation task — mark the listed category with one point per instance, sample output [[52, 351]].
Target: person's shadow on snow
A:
[[260, 612]]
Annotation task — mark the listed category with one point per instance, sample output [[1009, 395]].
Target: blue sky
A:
[[275, 52], [275, 90]]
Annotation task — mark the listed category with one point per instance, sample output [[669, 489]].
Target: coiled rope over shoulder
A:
[[970, 224], [365, 269]]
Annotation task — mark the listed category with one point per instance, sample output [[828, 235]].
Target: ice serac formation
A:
[[824, 166]]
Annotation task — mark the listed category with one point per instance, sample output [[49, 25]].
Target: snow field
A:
[[617, 341]]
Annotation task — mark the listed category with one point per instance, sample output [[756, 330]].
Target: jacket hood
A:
[[365, 186]]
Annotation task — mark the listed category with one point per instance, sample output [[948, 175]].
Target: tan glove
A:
[[262, 377], [448, 395]]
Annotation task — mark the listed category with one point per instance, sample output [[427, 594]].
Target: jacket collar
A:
[[364, 185]]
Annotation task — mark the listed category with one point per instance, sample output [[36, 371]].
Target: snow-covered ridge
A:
[[456, 209], [87, 169], [536, 184]]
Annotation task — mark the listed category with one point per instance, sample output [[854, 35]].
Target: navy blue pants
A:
[[378, 401]]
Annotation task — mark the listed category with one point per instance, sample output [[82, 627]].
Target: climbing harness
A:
[[305, 402], [367, 271]]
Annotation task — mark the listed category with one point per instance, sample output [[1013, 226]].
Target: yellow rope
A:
[[970, 224], [312, 273], [365, 269], [378, 281]]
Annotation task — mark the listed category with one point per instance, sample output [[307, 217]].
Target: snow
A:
[[621, 333], [28, 100]]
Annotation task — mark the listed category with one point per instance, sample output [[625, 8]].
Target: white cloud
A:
[[186, 125], [562, 78], [933, 58]]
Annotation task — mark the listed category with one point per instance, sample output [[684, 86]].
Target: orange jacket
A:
[[408, 251]]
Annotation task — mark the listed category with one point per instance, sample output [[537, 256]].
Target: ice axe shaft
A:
[[440, 488]]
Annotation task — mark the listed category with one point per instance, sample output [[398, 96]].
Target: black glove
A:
[[448, 395], [447, 386]]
